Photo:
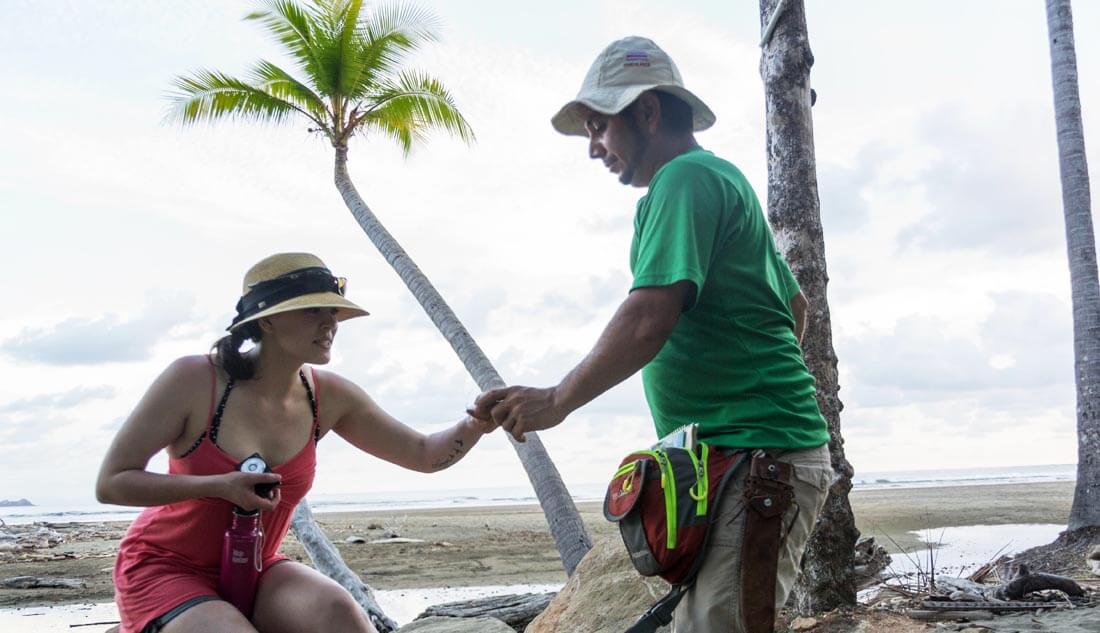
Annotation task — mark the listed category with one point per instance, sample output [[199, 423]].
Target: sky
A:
[[124, 238]]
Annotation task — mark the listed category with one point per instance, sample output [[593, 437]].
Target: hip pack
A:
[[662, 499]]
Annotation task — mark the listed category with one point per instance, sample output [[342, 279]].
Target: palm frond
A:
[[420, 26], [277, 82], [352, 63], [300, 29], [417, 103], [208, 95], [403, 130], [385, 37]]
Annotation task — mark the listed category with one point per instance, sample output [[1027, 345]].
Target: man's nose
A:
[[595, 148]]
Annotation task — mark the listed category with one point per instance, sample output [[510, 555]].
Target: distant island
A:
[[4, 503]]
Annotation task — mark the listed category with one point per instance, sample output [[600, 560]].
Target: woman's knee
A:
[[342, 613]]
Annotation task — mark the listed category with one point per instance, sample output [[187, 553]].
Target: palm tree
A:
[[828, 579], [1081, 247], [353, 83]]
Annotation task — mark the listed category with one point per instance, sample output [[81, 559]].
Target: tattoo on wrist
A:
[[456, 452]]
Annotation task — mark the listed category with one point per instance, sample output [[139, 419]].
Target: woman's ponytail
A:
[[227, 352]]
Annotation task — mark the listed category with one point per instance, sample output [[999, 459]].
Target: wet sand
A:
[[510, 545]]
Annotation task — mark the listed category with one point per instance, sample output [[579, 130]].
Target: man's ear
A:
[[649, 112]]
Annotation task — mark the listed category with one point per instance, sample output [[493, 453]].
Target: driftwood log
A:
[[328, 561], [34, 582], [515, 610], [870, 561], [1026, 582]]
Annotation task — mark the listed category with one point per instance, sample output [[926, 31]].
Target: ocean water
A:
[[88, 511], [964, 476]]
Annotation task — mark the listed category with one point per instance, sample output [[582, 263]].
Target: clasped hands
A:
[[519, 410]]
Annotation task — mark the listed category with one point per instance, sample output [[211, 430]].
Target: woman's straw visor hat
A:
[[622, 72], [291, 281]]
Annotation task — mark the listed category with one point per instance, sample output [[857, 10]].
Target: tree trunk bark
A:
[[1081, 247], [570, 535], [327, 560], [828, 579]]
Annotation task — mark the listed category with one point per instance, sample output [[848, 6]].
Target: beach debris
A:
[[803, 624], [965, 596], [515, 610], [438, 624], [1093, 560], [355, 540], [34, 582], [396, 540], [1026, 582], [983, 572], [33, 536], [968, 587], [870, 560], [390, 533]]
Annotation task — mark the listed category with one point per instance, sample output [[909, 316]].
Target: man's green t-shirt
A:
[[732, 363]]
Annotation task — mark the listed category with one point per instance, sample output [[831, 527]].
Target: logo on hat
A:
[[636, 58]]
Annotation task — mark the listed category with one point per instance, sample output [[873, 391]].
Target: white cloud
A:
[[103, 339], [63, 400]]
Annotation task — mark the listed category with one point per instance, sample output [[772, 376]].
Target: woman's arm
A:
[[369, 428], [159, 419]]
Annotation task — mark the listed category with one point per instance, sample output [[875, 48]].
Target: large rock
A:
[[1093, 560], [604, 595], [438, 624]]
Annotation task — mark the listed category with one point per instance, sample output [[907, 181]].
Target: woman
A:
[[210, 413]]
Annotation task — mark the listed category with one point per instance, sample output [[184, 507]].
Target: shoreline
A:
[[510, 545]]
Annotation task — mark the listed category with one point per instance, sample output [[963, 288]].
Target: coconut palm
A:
[[828, 579], [1081, 247], [350, 82]]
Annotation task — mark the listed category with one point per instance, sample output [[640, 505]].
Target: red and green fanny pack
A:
[[663, 500]]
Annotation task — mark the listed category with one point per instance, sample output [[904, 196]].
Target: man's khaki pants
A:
[[713, 604]]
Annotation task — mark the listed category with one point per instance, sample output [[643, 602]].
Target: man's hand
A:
[[519, 410]]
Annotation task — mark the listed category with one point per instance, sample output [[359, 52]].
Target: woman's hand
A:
[[240, 489], [479, 425]]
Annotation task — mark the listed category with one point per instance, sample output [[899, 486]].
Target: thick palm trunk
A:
[[793, 211], [568, 530], [1081, 247]]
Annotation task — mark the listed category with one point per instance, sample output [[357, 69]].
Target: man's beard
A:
[[641, 144]]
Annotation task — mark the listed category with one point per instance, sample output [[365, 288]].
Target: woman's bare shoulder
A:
[[188, 371], [333, 382]]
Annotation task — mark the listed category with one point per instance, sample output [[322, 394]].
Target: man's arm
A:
[[799, 307], [631, 339]]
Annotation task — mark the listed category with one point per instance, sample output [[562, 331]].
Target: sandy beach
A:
[[510, 545]]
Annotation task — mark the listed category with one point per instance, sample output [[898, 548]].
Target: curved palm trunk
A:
[[568, 530], [327, 560], [793, 210], [1081, 247]]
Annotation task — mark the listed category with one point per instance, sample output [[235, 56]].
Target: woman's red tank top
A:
[[187, 536]]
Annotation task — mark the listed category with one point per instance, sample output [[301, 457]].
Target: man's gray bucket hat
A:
[[622, 72]]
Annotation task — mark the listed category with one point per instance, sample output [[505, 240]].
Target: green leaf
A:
[[209, 95]]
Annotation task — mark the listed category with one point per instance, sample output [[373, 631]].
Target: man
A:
[[714, 317]]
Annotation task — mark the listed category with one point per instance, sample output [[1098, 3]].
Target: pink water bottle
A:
[[242, 559]]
